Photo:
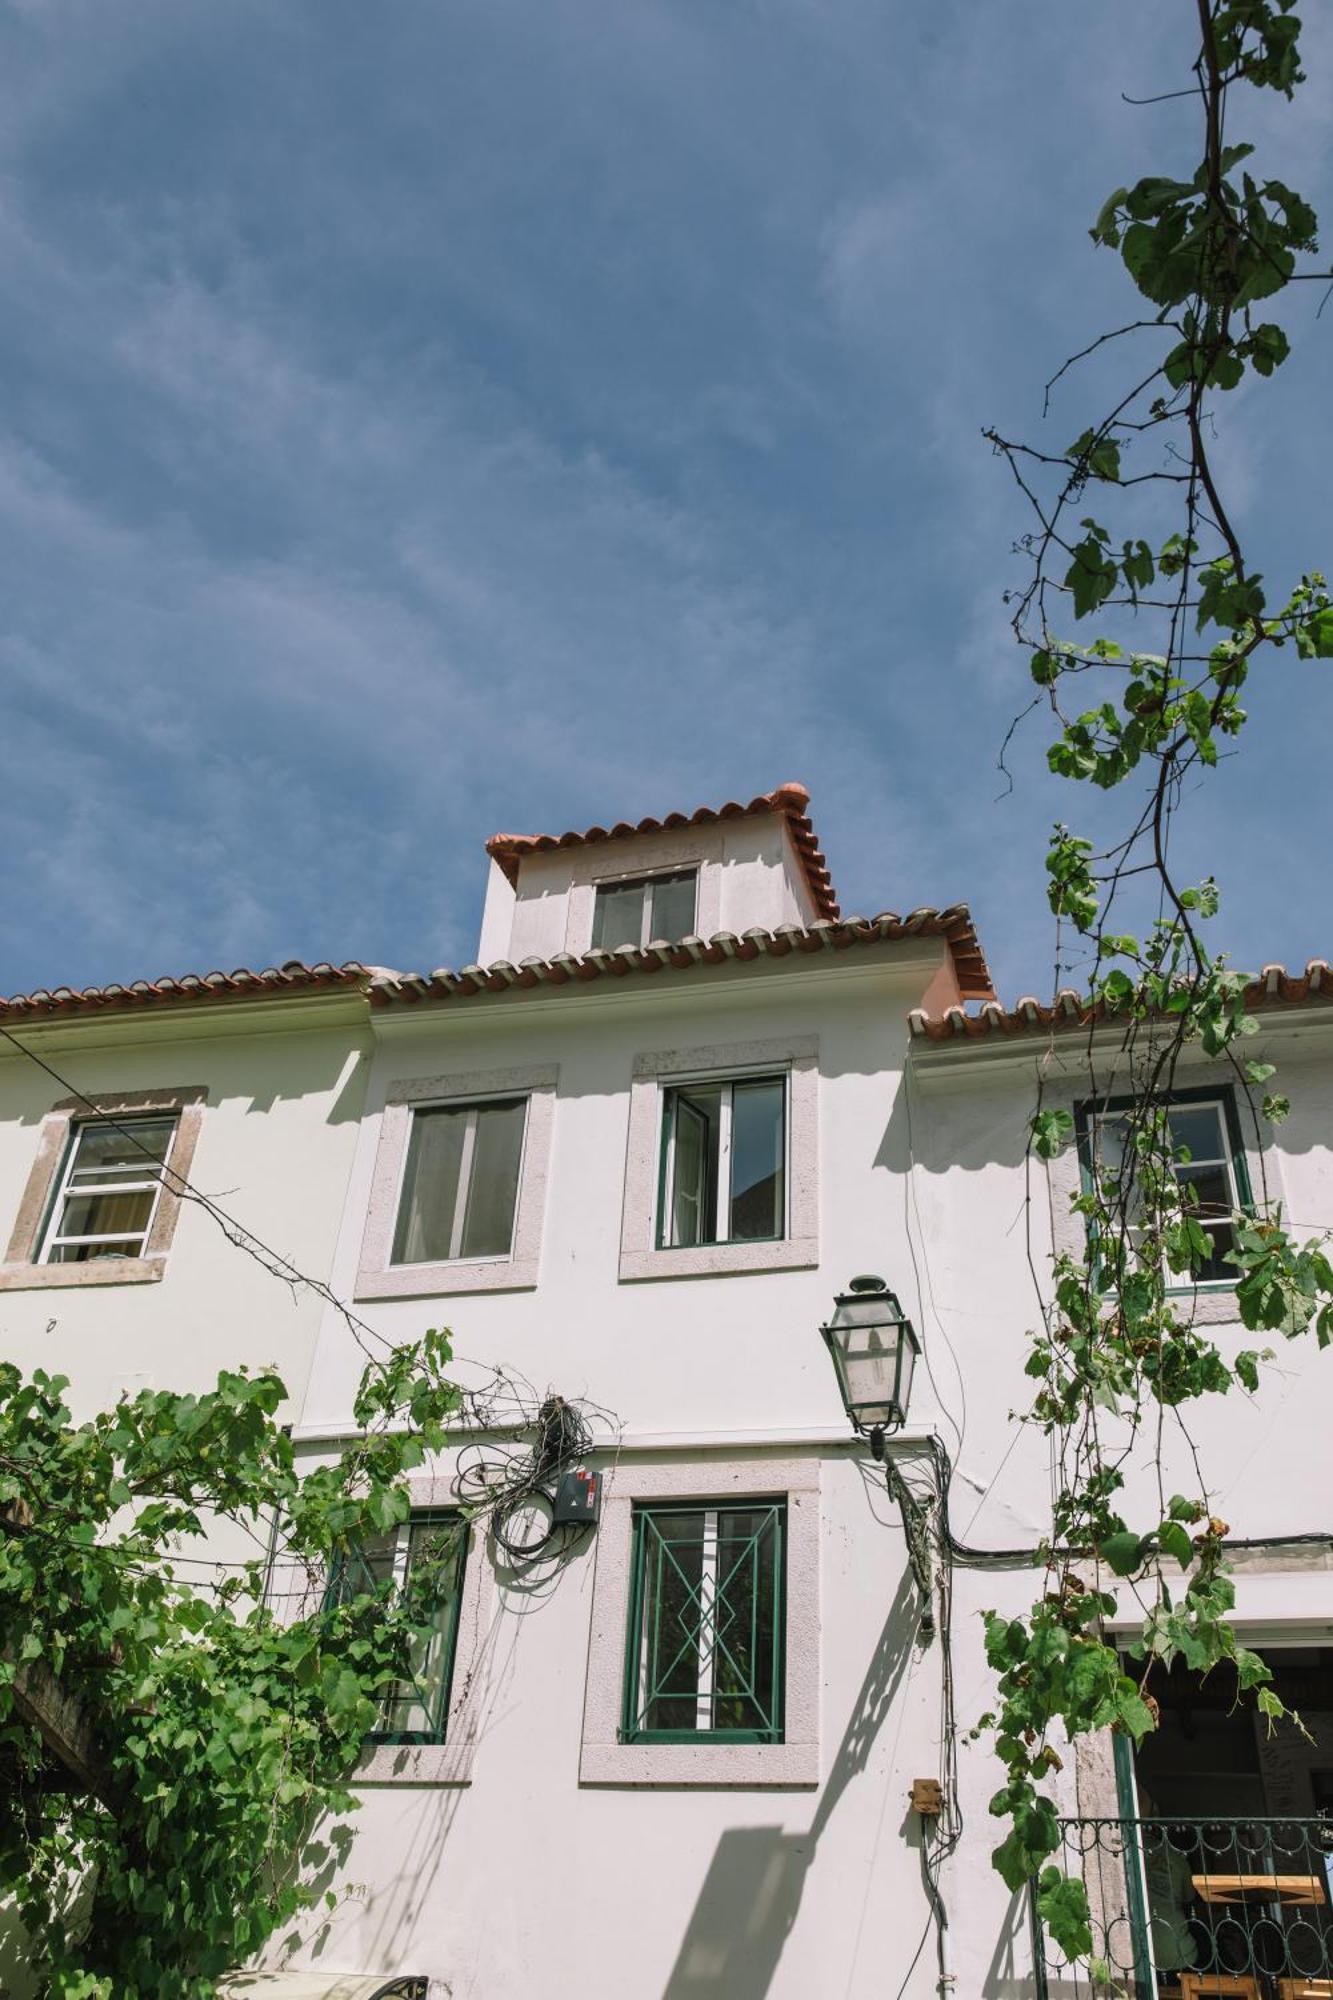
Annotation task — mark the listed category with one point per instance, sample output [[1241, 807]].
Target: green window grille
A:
[[416, 1708], [705, 1647]]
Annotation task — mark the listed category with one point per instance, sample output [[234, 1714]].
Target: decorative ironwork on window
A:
[[416, 1709], [1241, 1906], [706, 1624]]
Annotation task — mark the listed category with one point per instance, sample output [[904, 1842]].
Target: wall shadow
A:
[[751, 1896]]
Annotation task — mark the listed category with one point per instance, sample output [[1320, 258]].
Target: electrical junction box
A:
[[927, 1797], [578, 1499]]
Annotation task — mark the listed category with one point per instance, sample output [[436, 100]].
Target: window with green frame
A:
[[707, 1617], [1210, 1163], [416, 1709]]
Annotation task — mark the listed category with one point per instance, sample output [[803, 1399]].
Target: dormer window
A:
[[647, 910]]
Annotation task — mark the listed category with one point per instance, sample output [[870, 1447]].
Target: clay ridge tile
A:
[[293, 977], [954, 925], [1273, 988], [790, 801]]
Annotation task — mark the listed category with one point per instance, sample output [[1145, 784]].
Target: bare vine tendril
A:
[[1133, 541]]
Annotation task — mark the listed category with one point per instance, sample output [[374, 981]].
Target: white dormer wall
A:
[[749, 875]]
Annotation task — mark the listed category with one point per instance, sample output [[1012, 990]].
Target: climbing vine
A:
[[1141, 619], [220, 1724]]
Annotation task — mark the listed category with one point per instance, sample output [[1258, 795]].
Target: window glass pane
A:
[[419, 1704], [106, 1214], [672, 914], [102, 1153], [695, 1121], [671, 1629], [430, 1187], [1198, 1127], [745, 1620], [368, 1570], [493, 1179], [706, 1647], [617, 915], [757, 1132], [1206, 1191], [1216, 1269], [84, 1253]]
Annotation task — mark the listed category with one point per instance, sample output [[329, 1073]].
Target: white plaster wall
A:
[[749, 874], [660, 1894], [275, 1147], [698, 1894], [723, 1352], [497, 916], [528, 1882]]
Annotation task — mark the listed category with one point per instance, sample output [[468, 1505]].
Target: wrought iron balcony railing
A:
[[1179, 1907]]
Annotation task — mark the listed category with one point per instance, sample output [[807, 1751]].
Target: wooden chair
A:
[[1305, 1989], [1219, 1986]]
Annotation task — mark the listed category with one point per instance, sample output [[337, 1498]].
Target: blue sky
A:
[[464, 414]]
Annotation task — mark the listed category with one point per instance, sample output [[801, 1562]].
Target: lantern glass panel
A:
[[873, 1350]]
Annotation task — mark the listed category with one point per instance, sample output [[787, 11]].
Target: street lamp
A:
[[874, 1348]]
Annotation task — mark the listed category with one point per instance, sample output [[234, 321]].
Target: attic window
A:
[[652, 909]]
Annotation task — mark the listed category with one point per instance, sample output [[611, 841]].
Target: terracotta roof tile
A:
[[1274, 988], [954, 925], [789, 801], [140, 994]]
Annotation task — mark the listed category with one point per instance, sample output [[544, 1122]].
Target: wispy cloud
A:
[[529, 414]]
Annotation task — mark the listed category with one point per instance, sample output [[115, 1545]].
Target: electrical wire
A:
[[506, 1489], [237, 1233]]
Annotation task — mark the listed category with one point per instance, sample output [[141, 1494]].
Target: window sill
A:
[[97, 1271], [415, 1281], [717, 1260], [415, 1764], [709, 1762]]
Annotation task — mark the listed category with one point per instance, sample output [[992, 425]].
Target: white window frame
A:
[[54, 1238], [711, 1761], [722, 1211], [1212, 1303], [24, 1268], [1180, 1281], [644, 881], [378, 1277], [459, 1220], [641, 1255]]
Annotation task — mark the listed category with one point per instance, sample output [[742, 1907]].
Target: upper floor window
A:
[[653, 909], [724, 1152], [460, 1182], [108, 1189], [416, 1708], [706, 1624], [1208, 1163]]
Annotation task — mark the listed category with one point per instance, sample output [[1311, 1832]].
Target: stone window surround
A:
[[1213, 1304], [450, 1762], [640, 1258], [377, 1278], [664, 854], [711, 1762], [20, 1271]]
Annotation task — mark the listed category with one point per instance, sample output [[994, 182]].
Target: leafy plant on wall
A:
[[223, 1727], [1142, 620]]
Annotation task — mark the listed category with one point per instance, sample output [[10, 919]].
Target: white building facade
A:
[[631, 1158]]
